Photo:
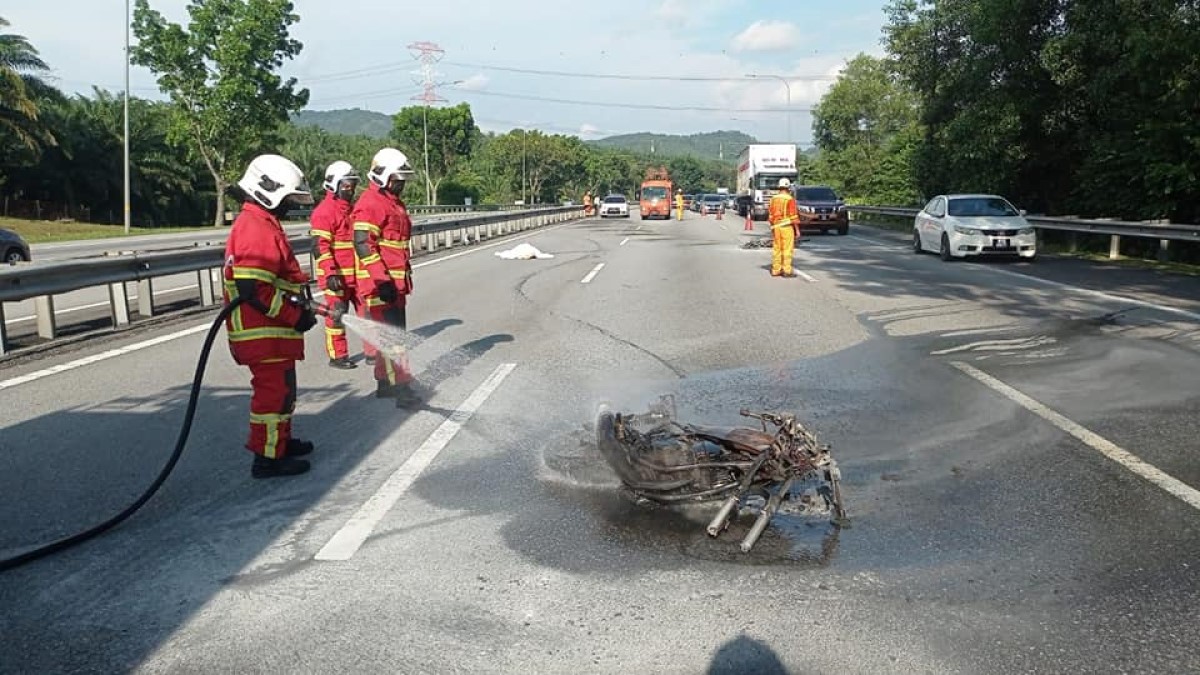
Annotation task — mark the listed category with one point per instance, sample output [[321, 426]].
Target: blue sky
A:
[[355, 55]]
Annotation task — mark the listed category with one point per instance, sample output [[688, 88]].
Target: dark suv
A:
[[821, 209]]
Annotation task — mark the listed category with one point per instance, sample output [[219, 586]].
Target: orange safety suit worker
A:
[[333, 246], [382, 229], [587, 203], [679, 205], [784, 220], [266, 330]]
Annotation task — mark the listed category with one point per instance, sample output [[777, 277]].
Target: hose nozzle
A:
[[334, 310]]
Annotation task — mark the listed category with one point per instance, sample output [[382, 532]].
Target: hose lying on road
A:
[[180, 442]]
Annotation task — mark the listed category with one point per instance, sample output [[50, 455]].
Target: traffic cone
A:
[[749, 227], [720, 212]]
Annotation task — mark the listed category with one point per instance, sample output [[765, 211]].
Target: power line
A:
[[391, 67], [383, 93], [642, 78], [633, 106]]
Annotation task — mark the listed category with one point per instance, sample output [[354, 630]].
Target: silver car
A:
[[13, 247]]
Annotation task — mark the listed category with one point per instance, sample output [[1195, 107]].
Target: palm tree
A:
[[21, 86]]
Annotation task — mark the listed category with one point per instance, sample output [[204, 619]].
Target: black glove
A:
[[335, 283], [387, 291], [306, 321]]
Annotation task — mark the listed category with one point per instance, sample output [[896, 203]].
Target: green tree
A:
[[21, 86], [687, 173], [451, 134], [865, 127], [221, 76]]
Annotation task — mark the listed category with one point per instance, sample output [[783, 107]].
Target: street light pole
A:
[[524, 174], [126, 139], [788, 88], [425, 131]]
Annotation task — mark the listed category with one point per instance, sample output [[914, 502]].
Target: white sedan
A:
[[616, 206], [957, 226]]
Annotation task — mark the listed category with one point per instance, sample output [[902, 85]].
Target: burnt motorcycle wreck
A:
[[661, 460]]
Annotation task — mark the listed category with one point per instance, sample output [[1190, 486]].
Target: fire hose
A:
[[304, 298]]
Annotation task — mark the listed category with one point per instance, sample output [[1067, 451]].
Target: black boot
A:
[[299, 448], [343, 363], [406, 396], [271, 468], [384, 390]]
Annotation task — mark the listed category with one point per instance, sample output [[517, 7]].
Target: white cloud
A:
[[589, 130], [766, 36], [476, 82], [672, 10]]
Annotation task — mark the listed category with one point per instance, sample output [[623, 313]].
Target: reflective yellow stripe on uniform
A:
[[370, 259], [324, 256], [272, 422], [247, 334], [397, 274], [276, 304], [254, 273], [367, 227], [386, 243], [324, 234], [343, 244]]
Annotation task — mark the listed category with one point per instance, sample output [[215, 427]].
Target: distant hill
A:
[[353, 122], [711, 145]]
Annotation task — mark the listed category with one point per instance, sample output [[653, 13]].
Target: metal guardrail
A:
[[434, 209], [1115, 229], [117, 269]]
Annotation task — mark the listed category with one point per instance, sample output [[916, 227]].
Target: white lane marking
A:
[[1195, 316], [37, 375], [724, 228], [998, 345], [346, 542], [805, 275], [102, 356], [94, 305], [1188, 494], [979, 331], [637, 228], [592, 275], [1100, 294], [624, 241]]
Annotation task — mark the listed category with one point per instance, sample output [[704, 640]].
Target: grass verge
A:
[[43, 231]]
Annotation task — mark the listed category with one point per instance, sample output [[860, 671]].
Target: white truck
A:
[[759, 169]]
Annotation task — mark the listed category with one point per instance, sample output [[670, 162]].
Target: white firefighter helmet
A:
[[336, 173], [269, 179], [389, 162], [784, 183]]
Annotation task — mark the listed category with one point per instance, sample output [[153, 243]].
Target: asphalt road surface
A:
[[1019, 444]]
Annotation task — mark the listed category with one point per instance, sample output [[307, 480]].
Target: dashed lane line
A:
[[592, 275], [1111, 450], [346, 542]]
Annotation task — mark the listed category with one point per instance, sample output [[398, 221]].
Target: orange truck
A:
[[656, 193]]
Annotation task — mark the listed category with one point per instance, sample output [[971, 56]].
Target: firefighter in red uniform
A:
[[333, 250], [266, 331], [381, 232]]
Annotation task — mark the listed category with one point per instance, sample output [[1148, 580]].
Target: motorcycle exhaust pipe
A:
[[721, 520], [764, 517]]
